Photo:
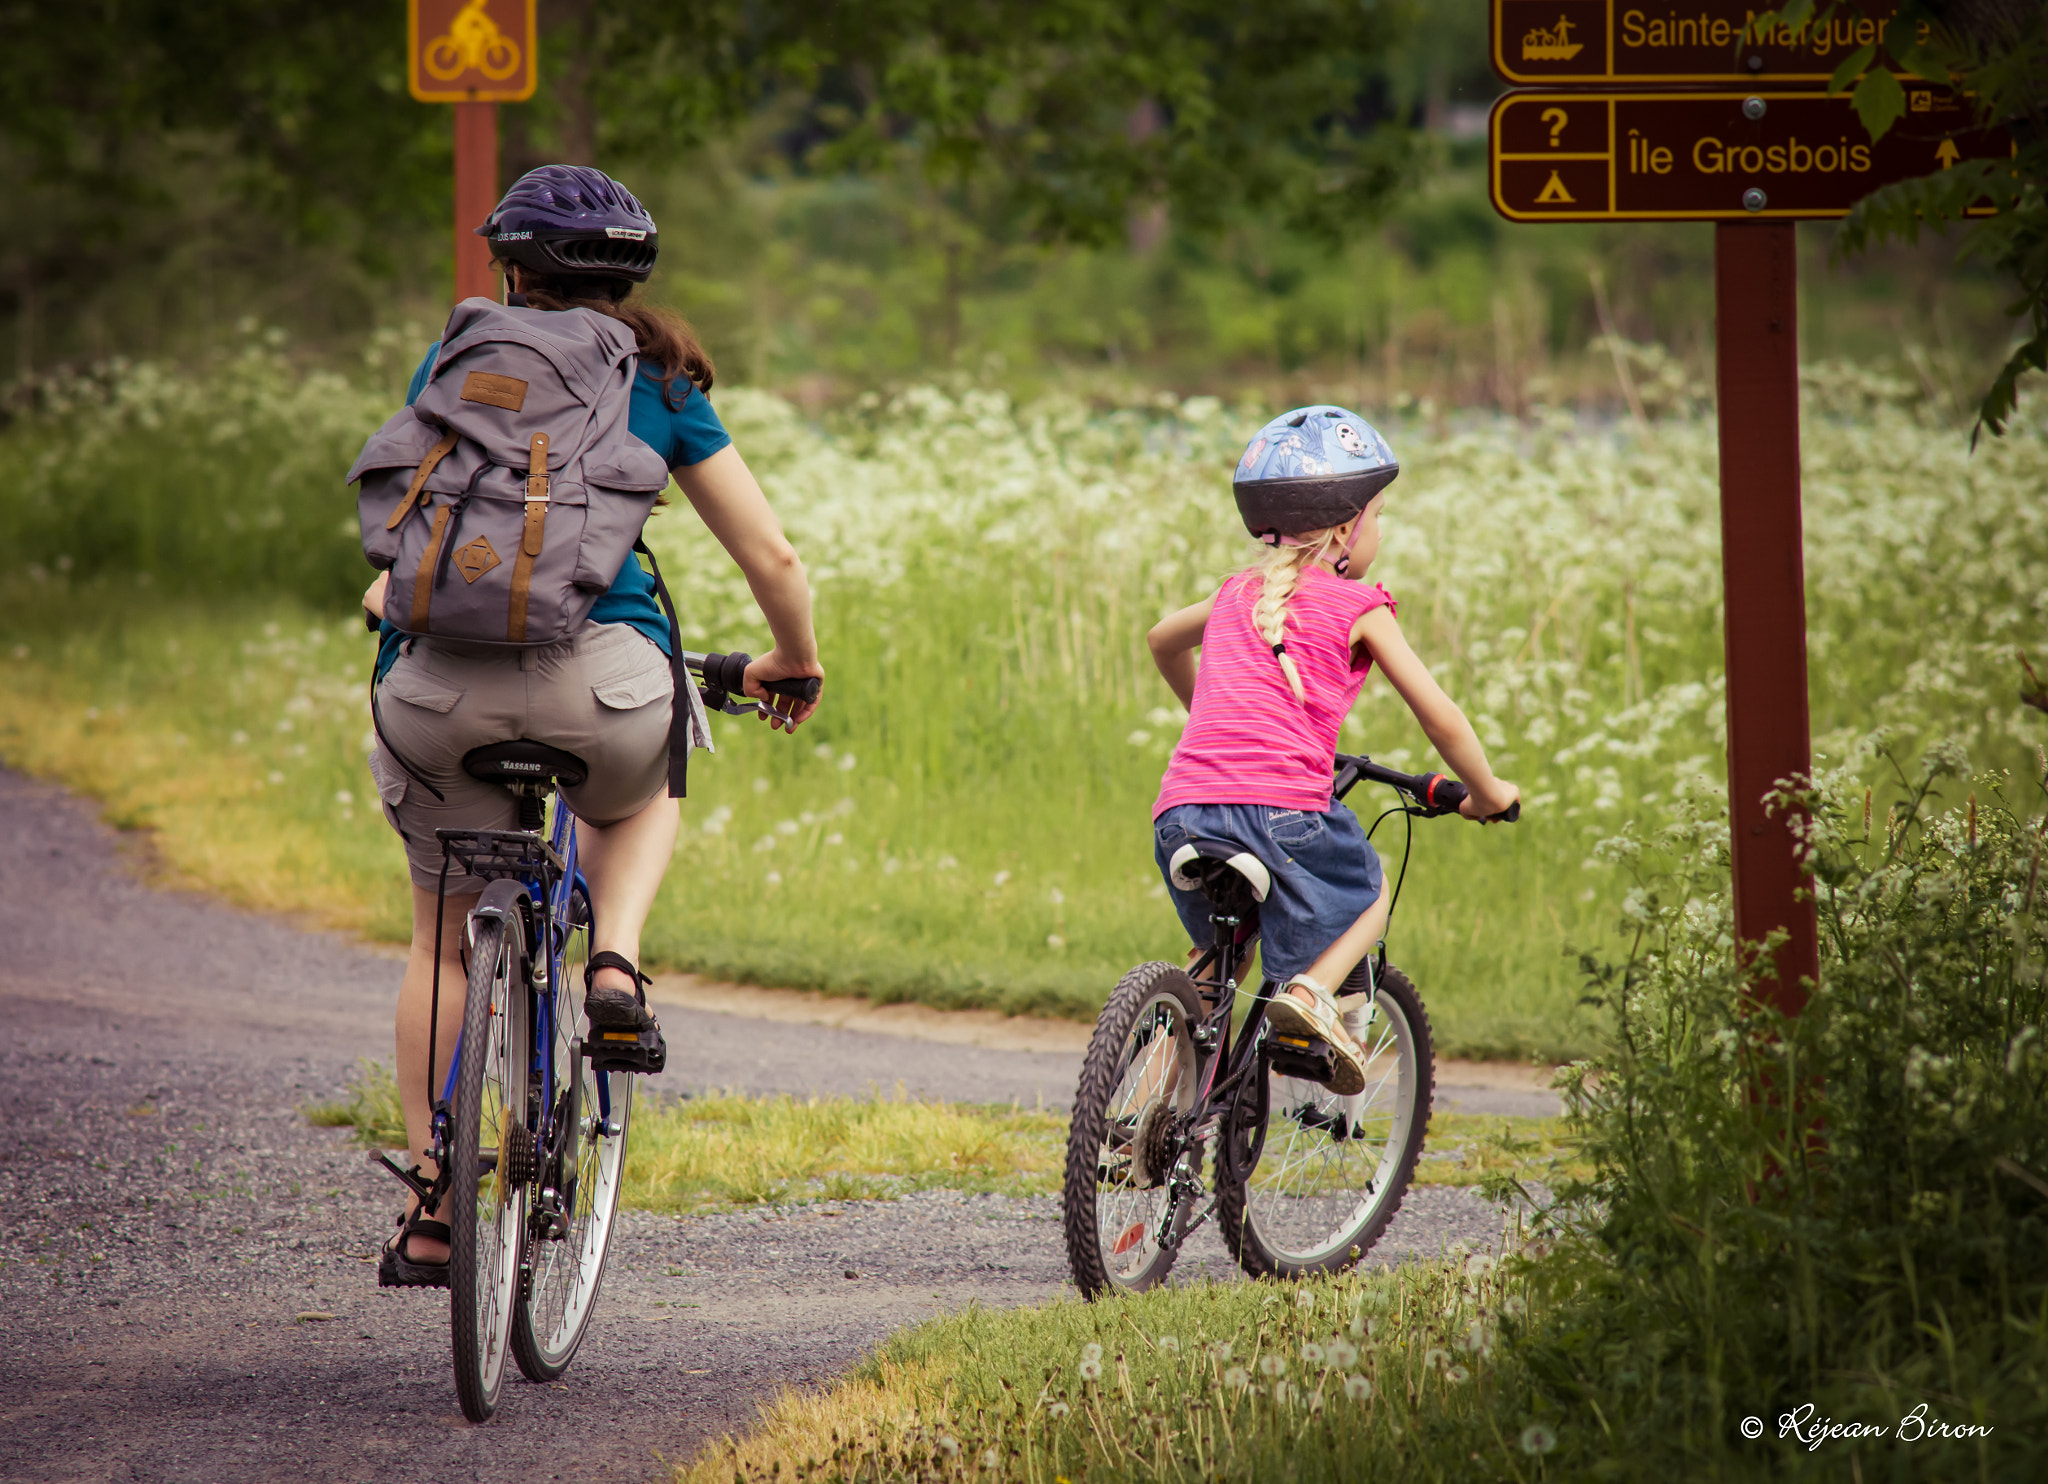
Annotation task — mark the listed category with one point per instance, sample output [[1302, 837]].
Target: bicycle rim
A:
[[1333, 1169], [488, 1124], [1139, 1076], [566, 1262]]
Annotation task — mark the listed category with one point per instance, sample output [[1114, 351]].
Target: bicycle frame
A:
[[1225, 1060], [551, 882]]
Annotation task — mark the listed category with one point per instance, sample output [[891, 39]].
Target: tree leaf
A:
[[1879, 101], [1852, 66]]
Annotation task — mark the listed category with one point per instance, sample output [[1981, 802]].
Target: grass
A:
[[965, 823], [1382, 1375], [725, 1150]]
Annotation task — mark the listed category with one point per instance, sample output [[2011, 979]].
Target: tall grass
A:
[[967, 820]]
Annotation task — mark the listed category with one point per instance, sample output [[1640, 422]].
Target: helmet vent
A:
[[1297, 420]]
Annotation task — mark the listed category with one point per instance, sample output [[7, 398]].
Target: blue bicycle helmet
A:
[[1308, 470], [573, 221]]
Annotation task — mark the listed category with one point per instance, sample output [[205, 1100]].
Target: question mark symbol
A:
[[1556, 119]]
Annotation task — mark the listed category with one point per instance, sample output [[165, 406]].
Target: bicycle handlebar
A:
[[1436, 793], [725, 675]]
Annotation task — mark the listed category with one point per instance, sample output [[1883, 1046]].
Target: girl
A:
[[1286, 644], [570, 239]]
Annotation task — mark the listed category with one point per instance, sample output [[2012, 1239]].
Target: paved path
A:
[[167, 1215]]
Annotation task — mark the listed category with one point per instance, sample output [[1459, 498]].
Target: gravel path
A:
[[188, 1267]]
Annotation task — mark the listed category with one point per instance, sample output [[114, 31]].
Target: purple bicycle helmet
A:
[[573, 221]]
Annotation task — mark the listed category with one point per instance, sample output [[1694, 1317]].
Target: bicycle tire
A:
[[1100, 1189], [1302, 1217], [565, 1268], [491, 1142]]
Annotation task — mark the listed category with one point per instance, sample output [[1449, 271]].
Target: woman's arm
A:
[[1442, 722], [728, 499], [1174, 640]]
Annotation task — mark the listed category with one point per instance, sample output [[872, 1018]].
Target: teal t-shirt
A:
[[683, 435]]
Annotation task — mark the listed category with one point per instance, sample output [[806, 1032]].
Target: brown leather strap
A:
[[419, 481], [423, 584], [530, 538]]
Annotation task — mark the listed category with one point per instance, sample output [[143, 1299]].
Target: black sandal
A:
[[624, 1035], [396, 1270]]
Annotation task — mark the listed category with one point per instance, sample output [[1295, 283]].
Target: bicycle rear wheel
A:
[[1138, 1078], [570, 1235], [493, 1159], [1332, 1171]]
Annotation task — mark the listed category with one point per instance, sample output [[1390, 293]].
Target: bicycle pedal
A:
[[627, 1051]]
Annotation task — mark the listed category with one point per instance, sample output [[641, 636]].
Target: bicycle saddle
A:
[[1234, 880], [524, 762]]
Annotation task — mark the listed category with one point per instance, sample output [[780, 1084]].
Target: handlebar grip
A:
[[1443, 794], [371, 621], [728, 672], [805, 688], [1509, 815]]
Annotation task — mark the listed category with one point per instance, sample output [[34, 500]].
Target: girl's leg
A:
[[1342, 956], [624, 863], [415, 1002]]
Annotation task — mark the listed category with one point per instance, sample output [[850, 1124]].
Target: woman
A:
[[569, 237]]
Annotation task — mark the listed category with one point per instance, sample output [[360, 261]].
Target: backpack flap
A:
[[394, 466]]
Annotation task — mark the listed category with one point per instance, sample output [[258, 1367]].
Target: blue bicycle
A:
[[529, 1130]]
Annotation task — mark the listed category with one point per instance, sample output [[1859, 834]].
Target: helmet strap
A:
[[1343, 563]]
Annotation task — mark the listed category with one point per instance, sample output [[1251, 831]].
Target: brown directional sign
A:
[[1589, 156], [1694, 41], [471, 51]]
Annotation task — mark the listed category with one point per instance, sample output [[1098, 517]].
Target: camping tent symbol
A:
[[1551, 46]]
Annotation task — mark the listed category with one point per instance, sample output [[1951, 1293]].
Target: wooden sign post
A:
[[474, 54], [1754, 147]]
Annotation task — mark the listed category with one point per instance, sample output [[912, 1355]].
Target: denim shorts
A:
[[1325, 874]]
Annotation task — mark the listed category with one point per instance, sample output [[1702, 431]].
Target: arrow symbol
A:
[[1947, 153]]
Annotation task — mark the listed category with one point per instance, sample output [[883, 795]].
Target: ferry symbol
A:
[[1554, 45]]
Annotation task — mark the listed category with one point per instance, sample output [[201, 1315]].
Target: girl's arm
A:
[[1174, 640], [726, 496], [1442, 722]]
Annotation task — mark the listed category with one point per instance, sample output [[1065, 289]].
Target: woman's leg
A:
[[624, 864], [415, 1004]]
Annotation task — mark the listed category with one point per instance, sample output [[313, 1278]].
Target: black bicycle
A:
[[1305, 1180]]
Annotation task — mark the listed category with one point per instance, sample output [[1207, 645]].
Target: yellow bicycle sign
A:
[[471, 51], [472, 40]]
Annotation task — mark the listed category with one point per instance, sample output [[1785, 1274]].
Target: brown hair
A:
[[665, 337]]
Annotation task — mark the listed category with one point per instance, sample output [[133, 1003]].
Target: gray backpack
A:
[[505, 500]]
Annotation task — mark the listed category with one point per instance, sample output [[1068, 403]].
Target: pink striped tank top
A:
[[1248, 741]]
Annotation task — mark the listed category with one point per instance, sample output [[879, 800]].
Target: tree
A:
[[1996, 53]]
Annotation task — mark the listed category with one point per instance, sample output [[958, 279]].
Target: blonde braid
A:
[[1280, 572]]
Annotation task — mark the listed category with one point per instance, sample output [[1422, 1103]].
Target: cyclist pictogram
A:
[[471, 51], [472, 40]]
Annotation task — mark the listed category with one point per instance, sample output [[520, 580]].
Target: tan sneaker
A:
[[1304, 1009]]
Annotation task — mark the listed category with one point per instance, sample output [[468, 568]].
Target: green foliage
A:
[[1997, 56], [221, 486], [1846, 1208]]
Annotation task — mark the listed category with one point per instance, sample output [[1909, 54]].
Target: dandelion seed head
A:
[[1091, 1370], [1272, 1365], [1058, 1409], [1538, 1438], [1220, 1350], [1237, 1378], [1304, 1298], [1457, 1375], [1091, 1351], [1311, 1353], [1170, 1344], [1357, 1388], [949, 1445]]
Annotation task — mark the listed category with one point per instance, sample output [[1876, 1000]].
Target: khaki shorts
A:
[[604, 695]]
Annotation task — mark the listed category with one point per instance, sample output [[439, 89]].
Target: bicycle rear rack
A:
[[492, 854]]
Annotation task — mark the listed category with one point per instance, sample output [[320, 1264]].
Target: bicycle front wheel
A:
[[493, 1160], [1137, 1083], [1327, 1172], [570, 1234]]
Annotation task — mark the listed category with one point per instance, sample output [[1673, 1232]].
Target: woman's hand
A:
[[373, 596], [1483, 801], [781, 711]]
